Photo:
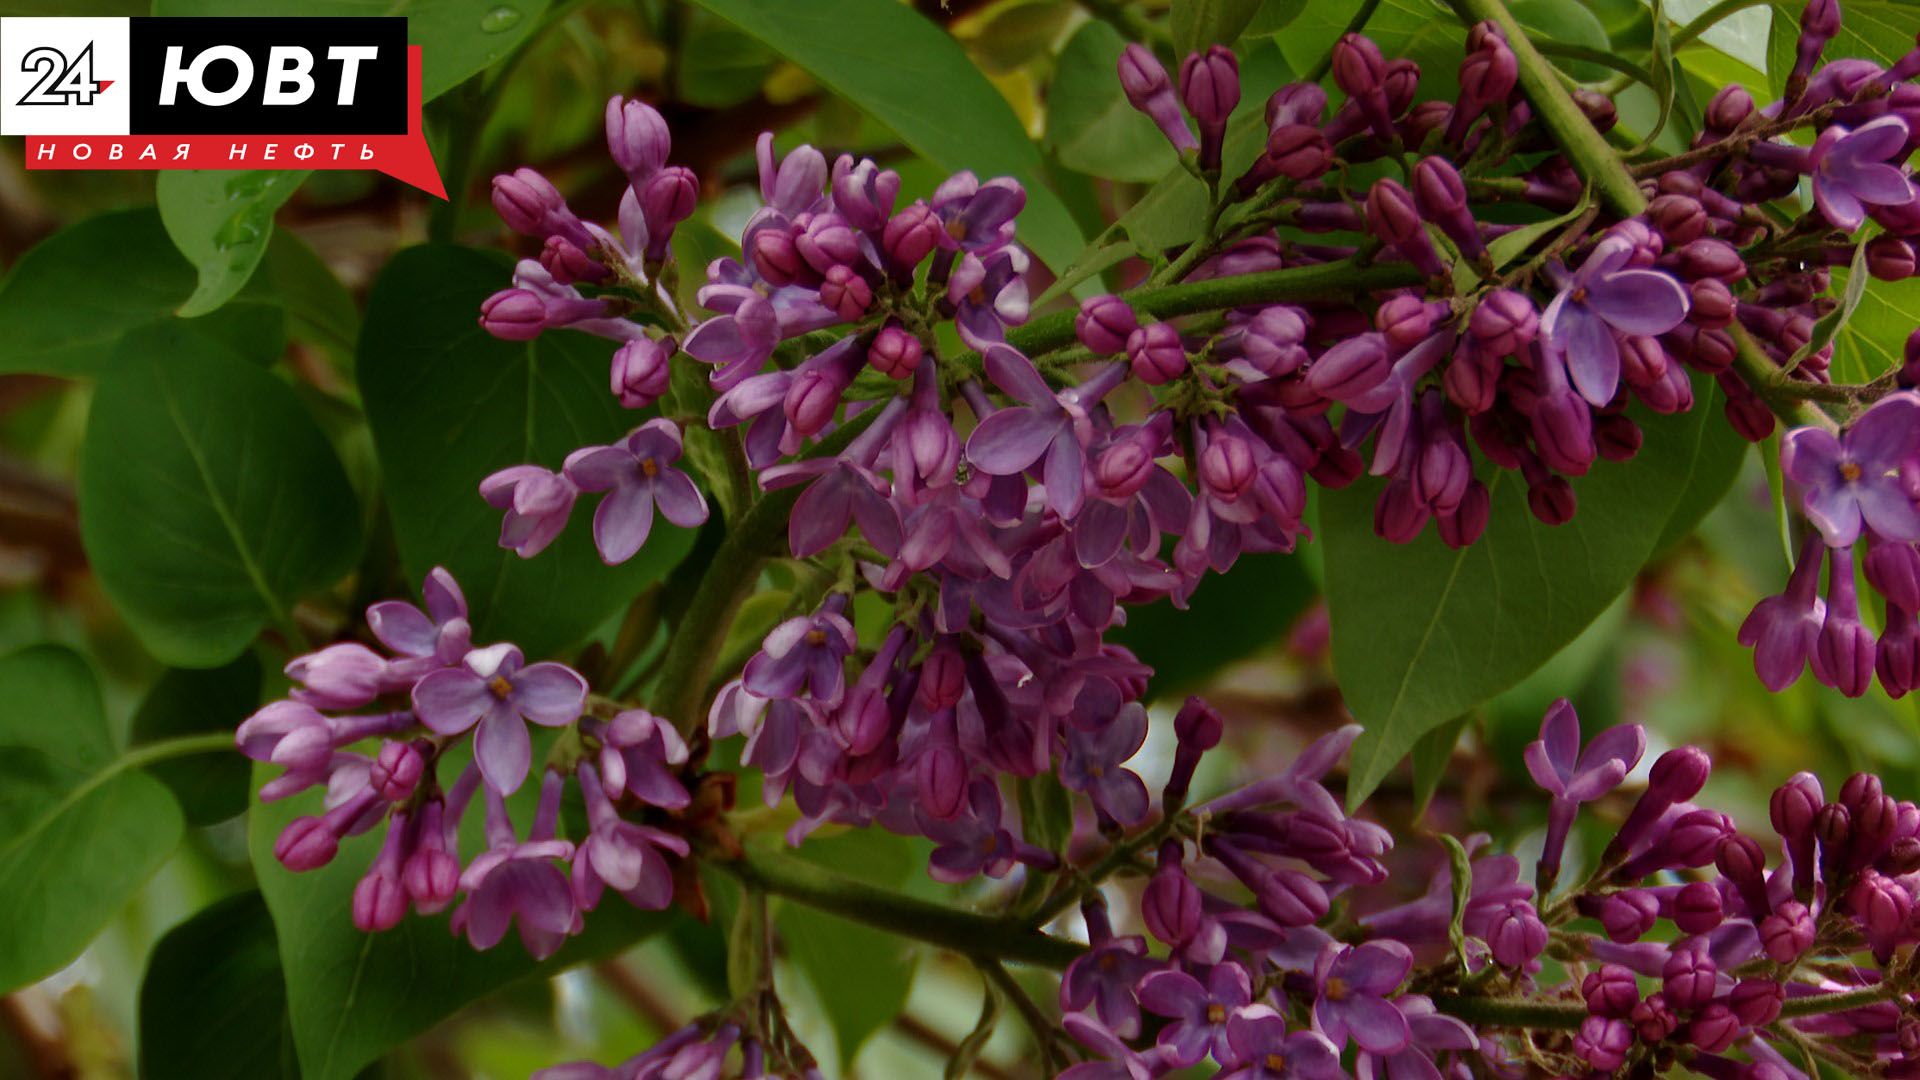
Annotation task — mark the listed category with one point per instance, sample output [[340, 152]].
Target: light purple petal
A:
[[1593, 356], [679, 499], [549, 694], [403, 628], [1066, 475], [1375, 1024], [622, 522], [598, 468], [820, 516], [1888, 434], [1837, 204], [1874, 183], [1639, 301], [1376, 968], [1835, 511], [1012, 372], [1811, 457], [1874, 141], [1887, 509], [452, 700], [1011, 440], [503, 750]]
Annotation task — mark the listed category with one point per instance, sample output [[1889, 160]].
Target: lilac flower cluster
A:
[[432, 688]]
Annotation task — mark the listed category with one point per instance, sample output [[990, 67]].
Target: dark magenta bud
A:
[[1893, 570], [1462, 528], [1156, 354], [826, 241], [1890, 258], [1712, 306], [1712, 258], [1757, 1001], [1148, 89], [1504, 322], [908, 237], [1472, 380], [1678, 775], [1406, 319], [777, 257], [1696, 908], [846, 293], [1610, 991], [1210, 89], [1227, 467], [1687, 977], [1298, 152], [1597, 107], [1627, 915], [1679, 219], [513, 315], [668, 199], [1617, 437], [641, 371], [1297, 103], [563, 259], [1170, 905], [1729, 108], [1603, 1043], [1653, 1019], [895, 352], [1516, 935], [1350, 368], [1441, 197], [307, 843], [1393, 218], [396, 770], [1488, 74], [1713, 1028], [1198, 728], [1787, 933], [1742, 861], [1552, 500], [1103, 324], [1358, 66], [1880, 904]]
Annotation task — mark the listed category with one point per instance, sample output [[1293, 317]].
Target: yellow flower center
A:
[[500, 687], [1336, 989], [1849, 471], [649, 467], [1275, 1063], [816, 637], [1216, 1014]]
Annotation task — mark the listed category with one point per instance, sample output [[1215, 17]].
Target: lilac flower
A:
[[1095, 760], [972, 842], [638, 754], [1851, 171], [1048, 425], [620, 854], [1781, 630], [1430, 1034], [1104, 977], [513, 881], [976, 217], [1855, 479], [1605, 296], [1199, 1011], [806, 654], [440, 636], [737, 341], [1352, 985], [989, 295], [1573, 776], [1116, 1061], [1264, 1050], [537, 502], [493, 691], [346, 675], [639, 472]]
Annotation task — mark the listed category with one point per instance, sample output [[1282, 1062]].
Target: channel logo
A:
[[215, 93]]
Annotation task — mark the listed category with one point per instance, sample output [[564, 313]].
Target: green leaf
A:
[[1431, 756], [450, 404], [79, 832], [221, 221], [209, 787], [1507, 248], [213, 1003], [68, 302], [1197, 24], [1046, 812], [1873, 339], [1462, 889], [720, 65], [1422, 633], [458, 38], [1273, 17], [862, 976], [1019, 33], [318, 307], [351, 997], [1878, 30], [1570, 22], [1090, 125], [209, 499], [1097, 259], [1853, 286], [1219, 626], [910, 76], [1424, 31]]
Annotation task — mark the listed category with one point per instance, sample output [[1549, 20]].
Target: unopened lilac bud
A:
[[1680, 219], [563, 259], [1357, 65], [1298, 152], [1741, 861], [908, 237], [1442, 199], [1819, 22], [812, 400], [1794, 805], [1516, 935], [1712, 306], [1103, 324], [1627, 915], [1653, 1019], [642, 371], [827, 242], [1729, 108], [379, 902], [668, 199], [1227, 467], [1552, 500], [1441, 475], [1893, 570], [1603, 1043], [1463, 527], [1598, 108], [1890, 258], [1393, 218], [1687, 979], [396, 770], [1504, 322], [1198, 728], [1678, 775], [637, 138], [1171, 902], [513, 315], [1350, 368], [1123, 469], [1610, 991], [1406, 320], [846, 293], [777, 258], [528, 202], [1488, 75], [1860, 789], [1617, 437], [895, 352], [863, 193], [942, 678], [1713, 1028], [1399, 81], [1148, 89], [1156, 354], [1297, 103], [1707, 257], [1696, 908], [1757, 1001], [1210, 89], [307, 843], [1880, 903], [1787, 933]]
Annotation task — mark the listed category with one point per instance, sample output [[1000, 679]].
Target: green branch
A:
[[1513, 1012], [1819, 1004], [979, 936]]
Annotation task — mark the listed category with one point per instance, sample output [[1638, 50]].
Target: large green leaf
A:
[[353, 996], [1878, 30], [909, 75], [1873, 339], [213, 1003], [79, 833], [458, 38], [1422, 633], [1197, 24], [221, 220], [209, 500], [862, 976], [189, 701], [1219, 626], [450, 404], [69, 301], [1090, 125]]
